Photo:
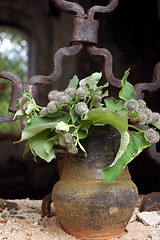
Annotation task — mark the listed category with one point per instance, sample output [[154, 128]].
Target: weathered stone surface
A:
[[26, 223], [149, 218]]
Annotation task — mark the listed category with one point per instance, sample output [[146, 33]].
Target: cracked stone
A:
[[149, 218]]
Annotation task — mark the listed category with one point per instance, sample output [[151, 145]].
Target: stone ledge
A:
[[21, 220]]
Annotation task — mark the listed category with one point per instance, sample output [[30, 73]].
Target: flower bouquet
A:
[[70, 113]]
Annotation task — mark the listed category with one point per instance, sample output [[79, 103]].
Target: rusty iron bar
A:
[[112, 4], [107, 63], [152, 152], [85, 30], [17, 90], [151, 87], [57, 62], [10, 76], [46, 205], [70, 7]]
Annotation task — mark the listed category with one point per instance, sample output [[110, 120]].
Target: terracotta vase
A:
[[86, 207]]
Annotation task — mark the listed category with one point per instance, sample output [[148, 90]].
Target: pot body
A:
[[86, 207]]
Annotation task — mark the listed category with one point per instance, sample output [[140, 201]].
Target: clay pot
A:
[[86, 207]]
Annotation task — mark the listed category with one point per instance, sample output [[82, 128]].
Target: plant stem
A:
[[135, 128], [62, 112]]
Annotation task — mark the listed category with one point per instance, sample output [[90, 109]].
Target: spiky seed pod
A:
[[152, 135], [131, 105], [141, 104], [64, 99], [52, 95], [142, 118], [81, 108], [82, 92], [97, 98], [71, 92], [62, 140], [149, 115], [155, 118], [69, 138], [72, 149], [51, 107], [43, 112]]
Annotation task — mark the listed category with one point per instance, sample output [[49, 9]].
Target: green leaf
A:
[[26, 149], [19, 113], [104, 116], [83, 131], [26, 91], [125, 139], [74, 116], [82, 148], [48, 146], [127, 92], [16, 103], [105, 94], [92, 80], [41, 147], [73, 83], [97, 104], [157, 126], [113, 104], [35, 126], [62, 126], [135, 147], [101, 87], [30, 107]]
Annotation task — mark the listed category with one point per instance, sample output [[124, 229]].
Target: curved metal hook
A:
[[7, 118], [102, 9], [154, 85], [152, 152], [70, 7], [107, 68], [10, 76], [57, 62]]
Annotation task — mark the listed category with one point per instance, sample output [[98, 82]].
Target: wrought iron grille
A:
[[85, 30], [14, 57]]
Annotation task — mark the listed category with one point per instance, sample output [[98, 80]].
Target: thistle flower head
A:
[[148, 114], [51, 107], [97, 98], [155, 118], [131, 105], [152, 135], [63, 99], [81, 108], [52, 95], [69, 138], [71, 92], [72, 149], [142, 118], [141, 104], [82, 92], [62, 140]]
